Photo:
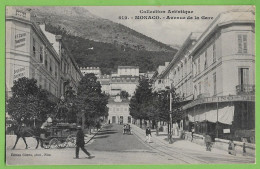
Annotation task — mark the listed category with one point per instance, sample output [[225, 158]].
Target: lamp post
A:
[[170, 112], [170, 131]]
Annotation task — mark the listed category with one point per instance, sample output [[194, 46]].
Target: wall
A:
[[20, 56], [223, 145], [117, 110], [128, 71]]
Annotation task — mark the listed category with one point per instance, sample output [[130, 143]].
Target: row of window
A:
[[206, 85], [242, 49], [119, 109], [49, 63], [44, 55], [205, 57]]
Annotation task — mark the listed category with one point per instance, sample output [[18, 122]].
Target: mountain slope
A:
[[78, 21], [89, 53]]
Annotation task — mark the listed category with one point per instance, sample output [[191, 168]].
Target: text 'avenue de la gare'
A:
[[173, 17]]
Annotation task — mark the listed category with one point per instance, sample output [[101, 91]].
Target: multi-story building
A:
[[125, 79], [147, 75], [219, 77], [128, 71], [178, 73], [34, 53], [119, 110], [29, 53], [95, 70], [70, 73], [105, 83], [157, 83]]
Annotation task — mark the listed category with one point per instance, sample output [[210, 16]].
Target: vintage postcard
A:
[[130, 85]]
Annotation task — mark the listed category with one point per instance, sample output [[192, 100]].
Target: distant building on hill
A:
[[95, 70], [125, 79]]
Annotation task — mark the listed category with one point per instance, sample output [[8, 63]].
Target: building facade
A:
[[128, 71], [29, 53], [125, 79], [105, 83], [34, 53], [119, 111], [95, 70], [216, 71]]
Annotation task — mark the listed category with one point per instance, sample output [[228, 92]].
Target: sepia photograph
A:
[[110, 85]]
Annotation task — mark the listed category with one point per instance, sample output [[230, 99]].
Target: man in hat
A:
[[148, 134], [80, 143]]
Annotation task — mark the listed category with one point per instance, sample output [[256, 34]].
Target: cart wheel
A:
[[46, 146], [54, 143], [62, 145], [71, 141]]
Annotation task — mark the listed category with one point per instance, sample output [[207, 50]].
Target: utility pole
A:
[[170, 134]]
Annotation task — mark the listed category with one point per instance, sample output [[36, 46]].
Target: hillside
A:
[[94, 41], [108, 56], [78, 21]]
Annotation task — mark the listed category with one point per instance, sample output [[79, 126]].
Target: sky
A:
[[168, 31]]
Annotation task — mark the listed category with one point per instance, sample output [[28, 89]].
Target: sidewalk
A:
[[180, 144]]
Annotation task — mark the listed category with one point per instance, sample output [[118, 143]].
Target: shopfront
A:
[[222, 117]]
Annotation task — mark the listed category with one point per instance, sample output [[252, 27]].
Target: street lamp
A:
[[170, 131]]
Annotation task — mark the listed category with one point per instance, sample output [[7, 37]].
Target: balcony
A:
[[245, 89]]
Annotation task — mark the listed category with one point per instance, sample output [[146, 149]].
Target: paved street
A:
[[110, 146]]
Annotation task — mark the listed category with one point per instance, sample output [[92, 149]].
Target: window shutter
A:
[[239, 38], [244, 43]]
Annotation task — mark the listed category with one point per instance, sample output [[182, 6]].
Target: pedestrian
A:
[[80, 143], [244, 149], [148, 135], [231, 148], [208, 141], [124, 129], [192, 132]]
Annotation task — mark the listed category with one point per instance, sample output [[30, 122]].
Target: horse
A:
[[23, 131]]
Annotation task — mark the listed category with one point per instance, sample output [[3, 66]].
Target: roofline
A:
[[189, 39], [38, 30], [217, 26]]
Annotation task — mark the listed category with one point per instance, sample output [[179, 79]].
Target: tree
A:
[[29, 102], [91, 101], [141, 100], [124, 94], [66, 108]]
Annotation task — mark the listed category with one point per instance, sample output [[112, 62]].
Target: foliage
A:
[[29, 102], [90, 101], [141, 100], [149, 105], [163, 105], [108, 56], [124, 94]]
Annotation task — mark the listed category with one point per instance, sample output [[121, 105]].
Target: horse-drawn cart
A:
[[60, 135]]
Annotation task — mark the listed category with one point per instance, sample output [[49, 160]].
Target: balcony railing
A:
[[245, 89]]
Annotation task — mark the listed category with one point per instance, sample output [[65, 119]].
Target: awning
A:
[[229, 98], [223, 115]]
